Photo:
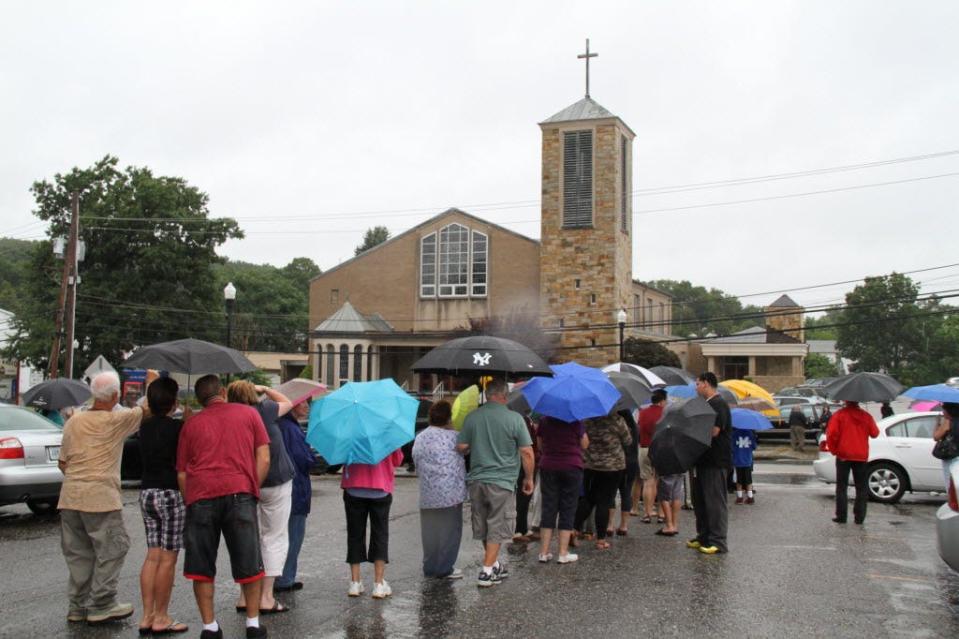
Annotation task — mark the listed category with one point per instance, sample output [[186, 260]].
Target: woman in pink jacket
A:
[[368, 494]]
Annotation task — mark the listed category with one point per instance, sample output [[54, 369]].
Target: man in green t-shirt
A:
[[497, 441]]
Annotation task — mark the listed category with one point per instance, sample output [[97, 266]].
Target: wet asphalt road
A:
[[791, 572]]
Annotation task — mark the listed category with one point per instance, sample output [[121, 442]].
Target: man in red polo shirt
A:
[[223, 456]]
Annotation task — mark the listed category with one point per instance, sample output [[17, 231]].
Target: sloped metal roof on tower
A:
[[349, 320], [784, 301], [585, 109]]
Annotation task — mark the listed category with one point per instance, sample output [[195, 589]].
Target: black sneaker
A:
[[256, 633], [501, 571], [487, 579], [212, 634]]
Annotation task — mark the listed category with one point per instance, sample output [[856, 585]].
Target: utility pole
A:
[[68, 293]]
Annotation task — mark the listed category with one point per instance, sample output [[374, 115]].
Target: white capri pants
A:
[[274, 515]]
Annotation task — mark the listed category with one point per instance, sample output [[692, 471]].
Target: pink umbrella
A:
[[922, 406]]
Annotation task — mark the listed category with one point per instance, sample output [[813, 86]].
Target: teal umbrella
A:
[[362, 422]]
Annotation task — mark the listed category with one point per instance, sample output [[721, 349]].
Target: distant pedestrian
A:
[[223, 456], [744, 443], [303, 460], [442, 475], [648, 418], [497, 442], [948, 424], [561, 476], [92, 535], [847, 437], [710, 473], [161, 506], [797, 428], [604, 462], [276, 491], [367, 497], [886, 410]]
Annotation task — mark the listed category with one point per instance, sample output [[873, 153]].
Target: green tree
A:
[[823, 327], [15, 261], [150, 247], [818, 366], [647, 353], [300, 271], [374, 235], [881, 326], [699, 311]]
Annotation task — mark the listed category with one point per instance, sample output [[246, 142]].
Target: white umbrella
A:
[[650, 378]]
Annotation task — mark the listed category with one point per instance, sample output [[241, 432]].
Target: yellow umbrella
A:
[[744, 389], [464, 404]]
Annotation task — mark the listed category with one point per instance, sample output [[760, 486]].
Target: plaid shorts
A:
[[164, 515]]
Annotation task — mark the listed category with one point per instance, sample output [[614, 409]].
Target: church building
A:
[[374, 315]]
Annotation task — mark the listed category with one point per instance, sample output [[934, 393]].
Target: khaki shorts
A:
[[646, 470], [493, 512]]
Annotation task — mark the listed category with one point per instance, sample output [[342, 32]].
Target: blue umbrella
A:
[[746, 419], [362, 422], [686, 391], [575, 392], [936, 393]]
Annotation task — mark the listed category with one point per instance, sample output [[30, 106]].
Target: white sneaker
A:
[[456, 574], [356, 589], [545, 559], [568, 558], [382, 590]]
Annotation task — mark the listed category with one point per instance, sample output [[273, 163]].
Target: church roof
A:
[[585, 109], [349, 320], [756, 335], [784, 301]]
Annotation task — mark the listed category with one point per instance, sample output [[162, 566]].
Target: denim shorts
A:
[[233, 516]]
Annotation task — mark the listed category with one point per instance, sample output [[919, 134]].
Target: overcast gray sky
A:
[[310, 122]]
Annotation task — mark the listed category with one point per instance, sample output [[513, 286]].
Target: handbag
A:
[[946, 448]]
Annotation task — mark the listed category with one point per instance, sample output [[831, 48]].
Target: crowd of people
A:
[[240, 469]]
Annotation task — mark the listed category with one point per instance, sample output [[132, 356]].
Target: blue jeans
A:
[[297, 530]]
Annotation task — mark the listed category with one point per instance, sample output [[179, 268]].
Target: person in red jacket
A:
[[847, 437]]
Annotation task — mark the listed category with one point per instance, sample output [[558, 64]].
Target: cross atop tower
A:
[[587, 56]]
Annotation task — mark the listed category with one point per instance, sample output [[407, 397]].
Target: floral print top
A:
[[441, 470]]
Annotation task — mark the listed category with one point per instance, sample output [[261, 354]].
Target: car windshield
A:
[[14, 418]]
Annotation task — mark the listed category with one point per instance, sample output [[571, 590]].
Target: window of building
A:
[[479, 262], [735, 367], [334, 295], [663, 327], [369, 364], [577, 283], [428, 265], [344, 362], [577, 179], [624, 186], [637, 309], [329, 364], [454, 253], [592, 298], [649, 315], [357, 363]]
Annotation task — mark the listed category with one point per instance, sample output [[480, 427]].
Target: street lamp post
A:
[[621, 320], [229, 296]]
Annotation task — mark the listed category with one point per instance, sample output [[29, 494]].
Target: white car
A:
[[947, 524], [900, 459]]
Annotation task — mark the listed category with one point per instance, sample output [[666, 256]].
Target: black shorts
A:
[[235, 517], [744, 475]]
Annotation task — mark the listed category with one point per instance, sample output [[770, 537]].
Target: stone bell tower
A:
[[586, 228]]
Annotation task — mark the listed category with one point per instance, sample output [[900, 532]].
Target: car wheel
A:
[[887, 482], [44, 507]]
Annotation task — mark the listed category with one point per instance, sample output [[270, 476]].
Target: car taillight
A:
[[11, 448], [953, 501]]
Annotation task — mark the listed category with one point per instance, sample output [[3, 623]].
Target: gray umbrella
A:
[[864, 387], [674, 376], [55, 394], [634, 393], [682, 435], [190, 356]]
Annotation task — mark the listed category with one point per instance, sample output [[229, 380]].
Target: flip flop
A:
[[663, 533], [276, 609], [671, 534], [145, 630], [646, 519], [602, 545], [621, 533], [610, 532], [660, 520], [174, 628]]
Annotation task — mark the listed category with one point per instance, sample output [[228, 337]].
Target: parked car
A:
[[900, 459], [780, 430], [947, 524], [29, 451]]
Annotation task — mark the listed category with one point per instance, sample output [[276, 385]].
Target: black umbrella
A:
[[728, 395], [482, 355], [864, 387], [634, 393], [683, 434], [55, 394], [190, 356], [674, 376], [517, 401]]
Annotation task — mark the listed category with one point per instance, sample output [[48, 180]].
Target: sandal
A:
[[174, 628], [621, 532], [277, 608], [662, 533], [647, 519], [610, 532], [602, 545], [660, 520]]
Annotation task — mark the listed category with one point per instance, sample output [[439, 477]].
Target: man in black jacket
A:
[[710, 473]]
